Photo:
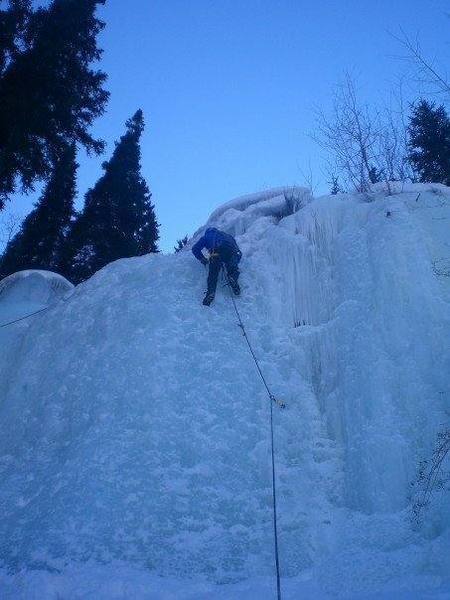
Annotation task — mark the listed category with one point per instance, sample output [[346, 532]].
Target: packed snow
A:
[[134, 446]]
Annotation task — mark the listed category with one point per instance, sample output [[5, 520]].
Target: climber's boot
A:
[[208, 299]]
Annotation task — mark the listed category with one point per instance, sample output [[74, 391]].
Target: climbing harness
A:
[[25, 317], [272, 445]]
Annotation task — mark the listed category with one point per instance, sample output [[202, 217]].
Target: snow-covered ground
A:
[[134, 431]]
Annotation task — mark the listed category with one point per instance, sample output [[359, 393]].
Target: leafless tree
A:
[[395, 120], [431, 476], [349, 135], [391, 146], [428, 72], [308, 178], [364, 145], [9, 226]]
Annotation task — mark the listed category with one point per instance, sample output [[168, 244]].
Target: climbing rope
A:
[[25, 317], [272, 445]]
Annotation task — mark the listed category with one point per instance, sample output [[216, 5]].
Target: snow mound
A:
[[134, 431], [30, 290], [237, 215]]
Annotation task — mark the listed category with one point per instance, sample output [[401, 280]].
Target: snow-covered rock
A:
[[134, 446], [26, 291]]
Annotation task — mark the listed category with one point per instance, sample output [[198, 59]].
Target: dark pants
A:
[[229, 260]]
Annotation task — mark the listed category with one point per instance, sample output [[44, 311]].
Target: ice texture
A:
[[25, 291], [134, 430]]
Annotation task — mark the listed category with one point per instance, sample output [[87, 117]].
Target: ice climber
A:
[[223, 250]]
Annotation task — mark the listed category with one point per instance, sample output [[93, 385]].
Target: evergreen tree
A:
[[429, 142], [375, 174], [49, 94], [335, 185], [14, 20], [118, 219], [181, 244], [39, 243]]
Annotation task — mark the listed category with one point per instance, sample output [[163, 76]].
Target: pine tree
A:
[[118, 219], [49, 94], [181, 244], [429, 142], [39, 243], [335, 185], [375, 174], [14, 20]]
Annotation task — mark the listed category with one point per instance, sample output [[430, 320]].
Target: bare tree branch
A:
[[431, 476], [364, 145], [426, 66], [308, 177], [9, 226], [350, 135]]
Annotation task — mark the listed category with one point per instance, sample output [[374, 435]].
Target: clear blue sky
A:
[[228, 88]]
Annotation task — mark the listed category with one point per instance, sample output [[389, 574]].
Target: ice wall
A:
[[21, 294], [134, 426], [358, 290], [378, 349]]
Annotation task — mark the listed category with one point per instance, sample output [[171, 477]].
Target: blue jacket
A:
[[214, 239]]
